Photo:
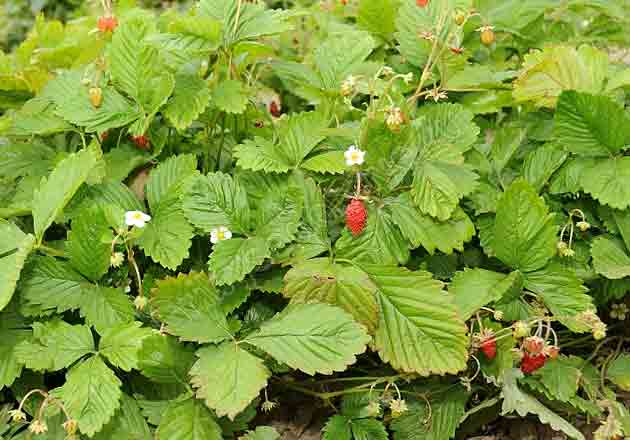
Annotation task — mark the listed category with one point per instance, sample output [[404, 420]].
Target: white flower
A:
[[354, 156], [219, 234], [136, 218]]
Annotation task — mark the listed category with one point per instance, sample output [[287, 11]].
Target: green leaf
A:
[[437, 423], [216, 200], [164, 360], [608, 180], [618, 372], [105, 307], [378, 17], [563, 293], [515, 400], [313, 338], [14, 249], [261, 154], [37, 118], [423, 230], [89, 243], [320, 280], [331, 162], [56, 190], [230, 96], [91, 394], [188, 420], [369, 429], [127, 423], [228, 378], [419, 328], [110, 193], [547, 73], [337, 428], [120, 344], [73, 104], [23, 159], [341, 55], [55, 345], [231, 260], [49, 285], [579, 127], [380, 242], [190, 307], [10, 365], [561, 376], [610, 257], [122, 160], [475, 288], [168, 178], [540, 164], [524, 233], [261, 433], [278, 217], [191, 97]]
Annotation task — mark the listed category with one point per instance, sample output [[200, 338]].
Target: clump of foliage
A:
[[415, 211]]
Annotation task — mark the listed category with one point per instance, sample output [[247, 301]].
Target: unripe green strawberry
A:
[[356, 215]]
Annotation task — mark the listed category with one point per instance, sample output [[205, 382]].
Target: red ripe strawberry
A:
[[141, 142], [531, 363], [489, 348], [356, 216], [422, 3], [534, 344], [107, 24], [274, 109]]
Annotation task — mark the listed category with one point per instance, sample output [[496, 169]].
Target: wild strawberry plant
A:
[[414, 211]]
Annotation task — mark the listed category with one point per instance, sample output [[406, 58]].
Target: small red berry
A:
[[422, 3], [457, 50], [141, 142], [104, 136], [489, 348], [356, 215], [274, 109], [107, 24], [534, 344], [531, 363]]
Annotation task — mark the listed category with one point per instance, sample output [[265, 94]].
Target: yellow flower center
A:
[[354, 156], [137, 216], [220, 235]]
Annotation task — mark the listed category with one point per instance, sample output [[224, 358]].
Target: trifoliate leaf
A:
[[524, 233], [437, 423], [423, 230], [581, 130], [313, 338], [230, 96], [475, 288], [120, 344], [232, 259], [261, 433], [188, 420], [164, 360], [190, 307], [618, 372], [216, 200], [540, 164], [547, 73], [561, 376], [610, 257], [419, 328], [128, 423], [228, 378], [190, 98], [56, 190], [48, 285], [320, 280], [337, 428], [89, 243], [562, 292], [515, 400], [369, 429], [380, 242], [607, 181], [91, 394], [15, 246], [55, 345], [106, 307]]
